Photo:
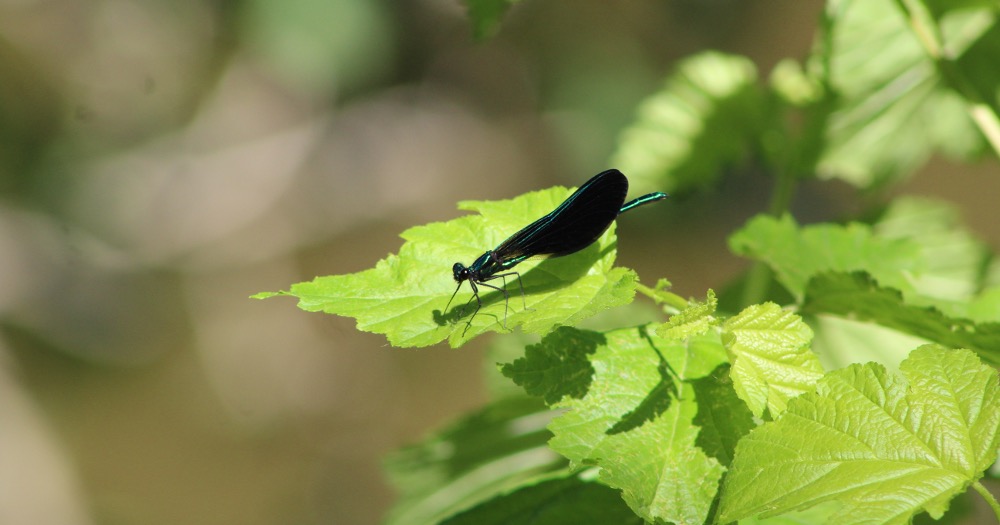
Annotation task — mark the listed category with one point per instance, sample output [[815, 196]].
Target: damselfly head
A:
[[460, 272]]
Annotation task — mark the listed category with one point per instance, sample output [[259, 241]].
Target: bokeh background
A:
[[160, 161]]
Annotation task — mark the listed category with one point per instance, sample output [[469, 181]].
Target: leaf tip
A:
[[266, 295]]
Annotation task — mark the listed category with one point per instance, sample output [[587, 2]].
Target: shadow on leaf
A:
[[722, 416], [558, 366], [548, 275], [656, 402]]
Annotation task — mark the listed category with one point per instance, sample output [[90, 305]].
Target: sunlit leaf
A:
[[884, 446], [772, 362], [635, 404], [842, 340], [697, 319]]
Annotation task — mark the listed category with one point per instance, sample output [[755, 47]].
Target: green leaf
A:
[[567, 500], [486, 15], [404, 295], [977, 63], [697, 319], [797, 253], [892, 110], [884, 446], [953, 259], [772, 362], [499, 448], [704, 119], [635, 417], [811, 516], [841, 341], [918, 246], [858, 296]]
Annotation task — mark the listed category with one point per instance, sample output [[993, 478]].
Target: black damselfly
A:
[[571, 227]]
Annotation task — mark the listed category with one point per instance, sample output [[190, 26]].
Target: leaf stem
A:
[[985, 493], [781, 200], [662, 296], [759, 276], [758, 279]]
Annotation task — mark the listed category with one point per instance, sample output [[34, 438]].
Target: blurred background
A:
[[161, 161]]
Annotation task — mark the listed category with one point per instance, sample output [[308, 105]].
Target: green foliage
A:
[[890, 109], [712, 415], [951, 258], [769, 349], [700, 123], [858, 296], [634, 414], [917, 246], [796, 254], [696, 319], [884, 446]]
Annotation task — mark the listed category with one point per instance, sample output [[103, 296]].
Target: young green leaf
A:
[[772, 362], [883, 446], [631, 406], [698, 318], [404, 295], [858, 296], [704, 119]]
